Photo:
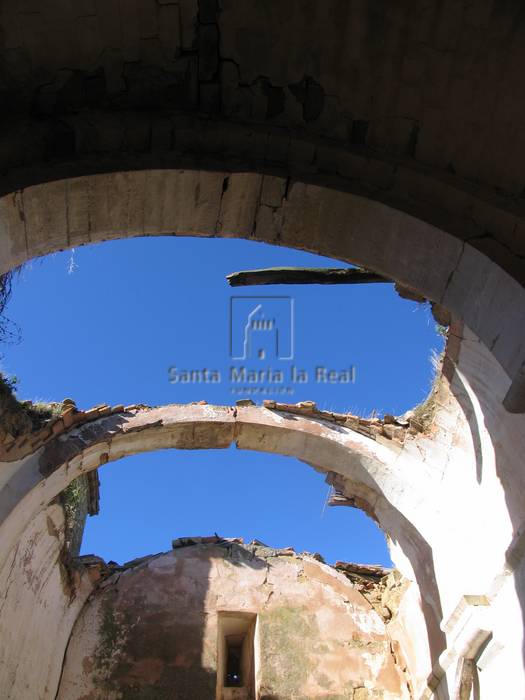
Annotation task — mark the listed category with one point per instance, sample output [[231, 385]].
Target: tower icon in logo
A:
[[261, 328], [261, 337]]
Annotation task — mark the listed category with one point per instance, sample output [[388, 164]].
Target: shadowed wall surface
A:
[[153, 631]]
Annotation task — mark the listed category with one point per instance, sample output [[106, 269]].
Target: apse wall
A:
[[159, 628]]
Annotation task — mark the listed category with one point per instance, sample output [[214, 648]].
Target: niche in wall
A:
[[235, 656]]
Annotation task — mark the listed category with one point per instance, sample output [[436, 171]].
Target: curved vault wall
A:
[[450, 501], [316, 636], [38, 608]]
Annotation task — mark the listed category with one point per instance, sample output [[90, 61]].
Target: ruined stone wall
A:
[[151, 631], [449, 499], [371, 132]]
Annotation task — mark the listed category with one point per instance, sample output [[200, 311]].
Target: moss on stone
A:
[[286, 628], [20, 417], [112, 636], [123, 636], [74, 501], [109, 632]]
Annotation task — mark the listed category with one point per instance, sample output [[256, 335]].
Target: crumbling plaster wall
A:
[[41, 599], [105, 434], [152, 631], [494, 550], [473, 515], [456, 521]]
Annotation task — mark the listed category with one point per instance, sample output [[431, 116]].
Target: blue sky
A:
[[105, 324]]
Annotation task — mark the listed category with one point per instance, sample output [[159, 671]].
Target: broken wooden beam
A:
[[304, 275]]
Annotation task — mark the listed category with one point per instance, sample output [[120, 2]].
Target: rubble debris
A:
[[213, 539], [389, 427], [338, 498], [382, 587], [409, 294]]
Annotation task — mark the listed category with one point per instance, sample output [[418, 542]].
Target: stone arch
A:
[[55, 215], [256, 206], [372, 471]]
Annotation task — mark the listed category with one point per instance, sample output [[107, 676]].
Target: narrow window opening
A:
[[235, 656]]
